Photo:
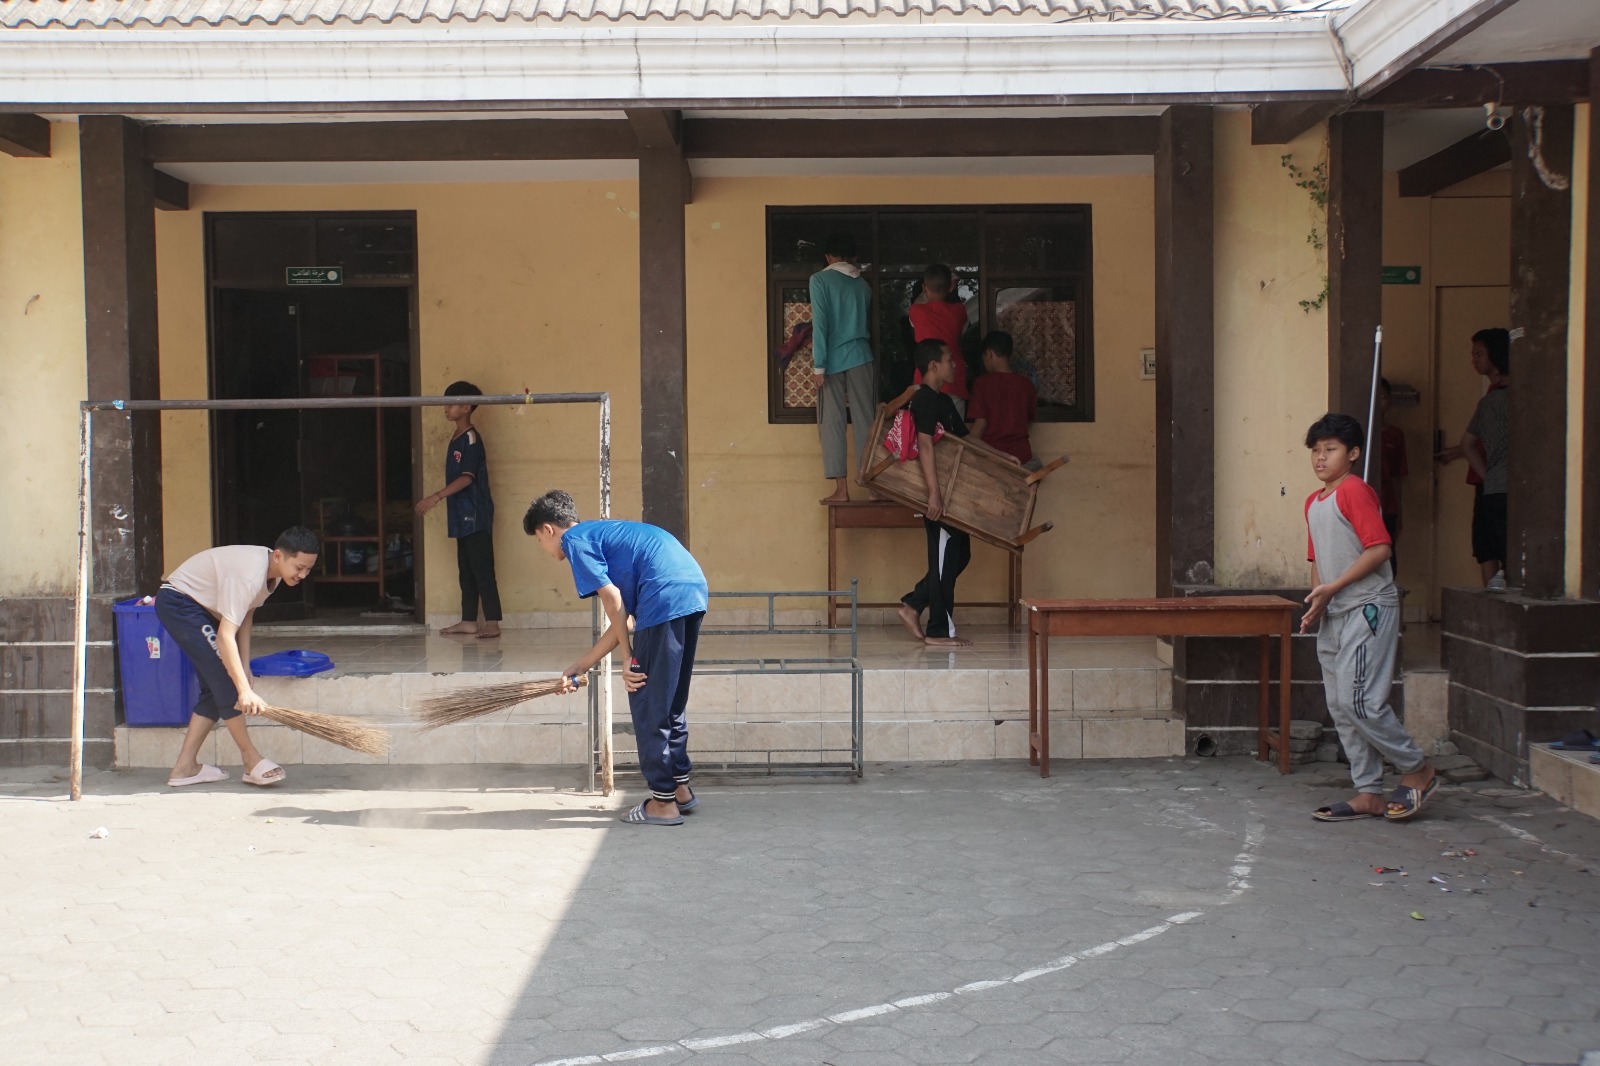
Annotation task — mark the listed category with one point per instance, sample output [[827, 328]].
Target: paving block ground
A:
[[1162, 912]]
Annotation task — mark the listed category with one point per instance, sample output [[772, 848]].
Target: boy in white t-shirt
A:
[[207, 605]]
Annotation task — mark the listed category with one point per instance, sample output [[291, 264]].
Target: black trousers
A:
[[949, 552], [195, 630], [475, 559]]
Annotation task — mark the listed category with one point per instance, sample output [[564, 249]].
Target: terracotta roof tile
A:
[[101, 14]]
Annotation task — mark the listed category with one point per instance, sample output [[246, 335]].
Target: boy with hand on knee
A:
[[207, 605], [639, 570], [1354, 596]]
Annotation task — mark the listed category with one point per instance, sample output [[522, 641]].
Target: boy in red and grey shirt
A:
[[1354, 595]]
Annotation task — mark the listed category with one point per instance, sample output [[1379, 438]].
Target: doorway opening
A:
[[308, 305]]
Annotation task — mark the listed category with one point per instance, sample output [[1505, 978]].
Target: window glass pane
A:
[[368, 247], [799, 390], [796, 240], [1036, 242], [908, 242], [1043, 323]]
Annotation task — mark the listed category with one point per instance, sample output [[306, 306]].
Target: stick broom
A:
[[466, 704], [335, 729]]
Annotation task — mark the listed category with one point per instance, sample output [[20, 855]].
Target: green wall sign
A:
[[1402, 275], [329, 275]]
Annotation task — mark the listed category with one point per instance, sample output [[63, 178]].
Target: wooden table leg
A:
[[1033, 698], [1285, 671], [1044, 700], [1014, 584], [1263, 698]]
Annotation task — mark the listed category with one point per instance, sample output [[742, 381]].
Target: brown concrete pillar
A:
[[1541, 253], [663, 338], [1185, 351], [1355, 257], [119, 271]]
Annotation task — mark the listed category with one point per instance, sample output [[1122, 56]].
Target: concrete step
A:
[[888, 695], [1129, 735], [1567, 777]]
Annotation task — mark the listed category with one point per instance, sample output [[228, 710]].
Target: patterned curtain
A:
[[1045, 333]]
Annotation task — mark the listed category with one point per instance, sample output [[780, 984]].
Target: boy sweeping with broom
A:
[[639, 570]]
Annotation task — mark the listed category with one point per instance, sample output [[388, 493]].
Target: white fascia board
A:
[[720, 65], [1379, 35]]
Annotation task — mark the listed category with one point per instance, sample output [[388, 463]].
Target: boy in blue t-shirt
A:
[[469, 510], [639, 570], [1354, 596]]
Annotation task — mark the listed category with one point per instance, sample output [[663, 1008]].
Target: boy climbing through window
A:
[[469, 510], [1354, 596], [1003, 403]]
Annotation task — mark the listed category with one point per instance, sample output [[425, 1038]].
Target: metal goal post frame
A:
[[600, 698]]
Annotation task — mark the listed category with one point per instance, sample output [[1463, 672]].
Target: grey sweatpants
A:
[[857, 387], [1357, 650]]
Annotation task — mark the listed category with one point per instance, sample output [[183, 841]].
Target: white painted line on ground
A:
[[861, 1013], [1244, 862], [1528, 838]]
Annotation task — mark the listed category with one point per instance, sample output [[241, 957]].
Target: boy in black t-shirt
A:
[[470, 517], [949, 550]]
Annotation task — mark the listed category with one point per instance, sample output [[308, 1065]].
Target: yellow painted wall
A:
[[755, 522], [521, 286], [536, 286], [42, 356], [1271, 357]]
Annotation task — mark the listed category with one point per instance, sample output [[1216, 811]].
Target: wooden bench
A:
[[1201, 616], [885, 514]]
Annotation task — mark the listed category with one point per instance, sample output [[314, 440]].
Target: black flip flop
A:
[[1340, 812], [1580, 740], [1411, 799]]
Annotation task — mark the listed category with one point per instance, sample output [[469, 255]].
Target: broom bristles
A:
[[335, 729], [463, 705]]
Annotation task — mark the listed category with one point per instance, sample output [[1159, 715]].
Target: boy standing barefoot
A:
[[949, 549], [1354, 596], [470, 516]]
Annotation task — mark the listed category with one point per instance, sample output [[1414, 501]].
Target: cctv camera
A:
[[1493, 117]]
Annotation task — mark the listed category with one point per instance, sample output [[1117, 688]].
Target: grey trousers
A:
[[856, 387], [1357, 651]]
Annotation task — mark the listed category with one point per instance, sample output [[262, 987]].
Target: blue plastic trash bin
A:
[[159, 685]]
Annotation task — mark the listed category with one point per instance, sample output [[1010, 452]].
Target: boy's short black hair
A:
[[840, 245], [463, 388], [555, 507], [938, 279], [928, 352], [998, 341], [1331, 426], [298, 540], [1496, 342]]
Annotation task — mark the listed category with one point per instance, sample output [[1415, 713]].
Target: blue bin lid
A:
[[295, 663]]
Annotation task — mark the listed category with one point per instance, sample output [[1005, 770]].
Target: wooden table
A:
[[1200, 616], [885, 514]]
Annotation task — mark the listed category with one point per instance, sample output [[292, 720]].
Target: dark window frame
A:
[[989, 283]]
